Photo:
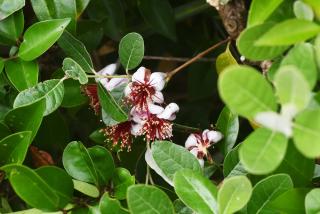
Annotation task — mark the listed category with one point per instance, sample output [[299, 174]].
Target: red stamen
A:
[[157, 129], [91, 91], [120, 133]]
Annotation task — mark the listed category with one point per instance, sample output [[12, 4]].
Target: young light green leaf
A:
[[245, 91], [51, 90], [312, 201], [159, 15], [234, 194], [148, 199], [11, 28], [315, 6], [256, 150], [86, 188], [14, 148], [122, 180], [224, 60], [131, 50], [196, 191], [22, 74], [303, 11], [260, 11], [247, 47], [110, 205], [40, 37], [289, 32], [74, 70], [306, 133], [8, 7], [266, 191], [171, 158]]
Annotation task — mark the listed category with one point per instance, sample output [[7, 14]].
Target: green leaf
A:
[[73, 95], [297, 166], [315, 6], [109, 205], [302, 56], [171, 158], [59, 181], [85, 188], [306, 133], [4, 130], [26, 118], [51, 90], [76, 50], [11, 28], [22, 74], [312, 201], [110, 106], [74, 70], [196, 191], [292, 88], [148, 200], [8, 7], [289, 32], [232, 165], [228, 125], [234, 194], [266, 191], [303, 11], [260, 11], [224, 60], [40, 37], [14, 148], [37, 193], [245, 91], [180, 208], [81, 6], [122, 180], [159, 15], [131, 50], [246, 44], [256, 150]]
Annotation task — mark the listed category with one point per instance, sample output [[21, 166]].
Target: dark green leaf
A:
[[180, 208], [8, 7], [109, 205], [81, 6], [73, 95], [11, 28], [122, 180], [74, 70], [4, 130], [232, 165]]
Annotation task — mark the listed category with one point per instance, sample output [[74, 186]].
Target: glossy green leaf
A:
[[86, 188], [292, 88], [4, 130], [26, 118], [234, 194], [315, 6], [247, 47], [303, 11], [81, 6], [256, 150], [13, 148], [260, 11], [196, 191], [245, 91], [312, 201], [228, 125], [180, 208], [224, 60], [302, 56], [40, 37], [11, 28], [306, 133], [76, 50], [73, 96], [122, 180], [148, 200], [109, 205], [74, 70], [232, 165], [266, 191], [8, 7], [22, 74], [131, 50], [159, 15], [110, 106], [52, 91], [289, 32], [171, 158]]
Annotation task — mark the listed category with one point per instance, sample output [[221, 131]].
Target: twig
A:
[[176, 59], [185, 129], [108, 76], [192, 60]]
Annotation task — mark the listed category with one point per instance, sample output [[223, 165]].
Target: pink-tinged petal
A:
[[201, 162], [127, 90], [109, 69], [136, 129], [140, 75], [154, 109], [191, 141], [170, 110], [157, 80], [214, 136], [103, 81], [195, 152], [137, 116], [157, 97], [115, 82]]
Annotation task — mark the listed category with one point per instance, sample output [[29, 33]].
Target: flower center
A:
[[157, 128], [120, 133], [140, 94]]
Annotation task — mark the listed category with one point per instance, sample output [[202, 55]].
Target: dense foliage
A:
[[158, 106]]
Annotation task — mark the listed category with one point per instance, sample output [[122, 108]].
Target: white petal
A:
[[157, 97], [214, 136], [103, 81], [201, 162], [191, 141], [115, 82], [109, 69], [139, 75], [155, 109], [275, 122], [170, 110], [157, 80], [137, 116], [127, 90], [289, 111], [136, 129], [153, 165]]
